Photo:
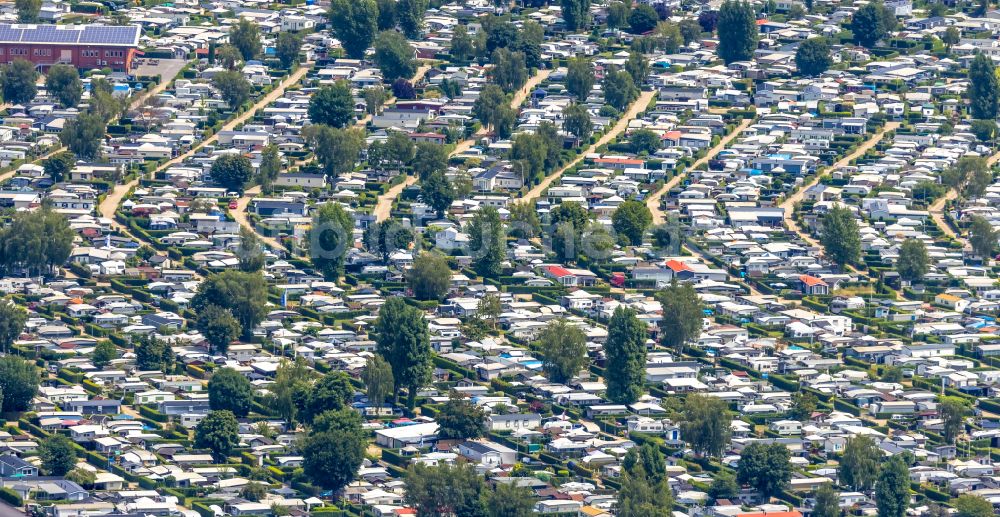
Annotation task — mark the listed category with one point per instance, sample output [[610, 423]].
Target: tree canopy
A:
[[430, 277], [402, 338], [63, 82], [332, 105], [230, 390], [564, 347], [218, 432], [840, 237], [625, 353], [738, 31], [354, 23]]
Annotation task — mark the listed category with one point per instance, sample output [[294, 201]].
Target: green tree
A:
[[529, 43], [969, 505], [218, 432], [19, 381], [642, 19], [243, 294], [245, 36], [336, 149], [913, 261], [334, 449], [461, 44], [430, 277], [219, 328], [840, 237], [228, 56], [630, 220], [35, 241], [332, 392], [459, 419], [233, 88], [287, 47], [394, 55], [58, 454], [232, 171], [487, 242], [619, 89], [575, 13], [564, 347], [765, 467], [445, 490], [489, 105], [644, 141], [387, 18], [18, 79], [12, 320], [83, 135], [859, 463], [331, 235], [104, 353], [437, 192], [892, 491], [510, 500], [952, 411], [249, 252], [803, 405], [618, 15], [290, 380], [982, 237], [386, 237], [332, 105], [63, 82], [644, 490], [579, 77], [152, 353], [706, 424], [892, 374], [58, 167], [354, 23], [254, 492], [951, 36], [637, 67], [523, 220], [984, 88], [510, 70], [813, 56], [985, 130], [231, 391], [430, 157], [667, 36], [737, 31], [827, 502], [375, 97], [576, 120], [28, 10], [870, 24], [682, 314], [978, 183], [625, 351], [403, 339], [690, 30], [724, 486], [411, 16], [377, 377]]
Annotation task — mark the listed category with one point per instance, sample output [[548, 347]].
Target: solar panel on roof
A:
[[8, 33]]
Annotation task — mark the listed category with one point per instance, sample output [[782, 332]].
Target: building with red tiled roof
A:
[[813, 285]]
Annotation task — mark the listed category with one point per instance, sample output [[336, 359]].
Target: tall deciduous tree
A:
[[682, 314], [18, 79], [982, 237], [737, 31], [575, 13], [218, 432], [437, 192], [892, 491], [219, 327], [913, 262], [459, 419], [706, 424], [377, 377], [840, 237], [83, 135], [813, 56], [445, 490], [331, 235], [429, 277], [625, 350], [232, 171], [386, 237], [859, 463], [984, 88], [59, 166], [952, 411], [411, 16], [332, 105], [576, 120], [579, 77], [28, 10], [63, 82], [630, 220], [19, 381], [871, 23], [243, 294], [245, 36], [619, 89], [394, 56], [336, 149], [12, 320], [487, 242], [287, 47], [766, 467], [250, 252], [58, 454], [354, 23], [827, 502], [404, 341], [35, 242], [334, 449], [969, 505], [565, 349], [230, 390]]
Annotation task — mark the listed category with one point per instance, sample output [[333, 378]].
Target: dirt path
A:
[[111, 202], [637, 108], [788, 205], [937, 208], [383, 206], [240, 215], [653, 203]]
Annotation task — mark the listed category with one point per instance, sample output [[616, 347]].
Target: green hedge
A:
[[11, 497]]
